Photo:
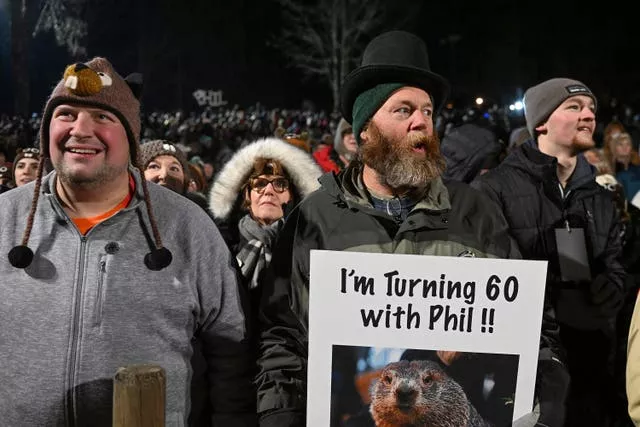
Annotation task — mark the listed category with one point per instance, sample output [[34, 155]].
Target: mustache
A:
[[70, 139], [430, 143], [395, 161]]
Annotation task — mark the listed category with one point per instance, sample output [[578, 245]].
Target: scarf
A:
[[255, 255]]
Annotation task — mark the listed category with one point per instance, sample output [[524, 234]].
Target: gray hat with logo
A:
[[541, 100]]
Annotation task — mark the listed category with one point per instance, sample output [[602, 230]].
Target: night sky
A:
[[504, 47]]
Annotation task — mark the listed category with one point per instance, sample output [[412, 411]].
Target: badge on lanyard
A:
[[572, 254]]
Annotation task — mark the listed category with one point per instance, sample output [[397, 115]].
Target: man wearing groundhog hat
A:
[[99, 270], [390, 199]]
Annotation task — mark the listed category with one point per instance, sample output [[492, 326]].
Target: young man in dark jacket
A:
[[390, 200], [557, 212]]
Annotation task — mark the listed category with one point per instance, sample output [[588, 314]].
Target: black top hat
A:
[[393, 57]]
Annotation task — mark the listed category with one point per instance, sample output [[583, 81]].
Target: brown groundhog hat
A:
[[95, 84], [160, 147], [26, 153]]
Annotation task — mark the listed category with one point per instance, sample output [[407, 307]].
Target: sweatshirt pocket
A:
[[100, 291]]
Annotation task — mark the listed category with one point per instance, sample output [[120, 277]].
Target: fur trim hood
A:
[[302, 169]]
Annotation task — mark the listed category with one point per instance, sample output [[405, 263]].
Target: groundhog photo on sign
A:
[[419, 393]]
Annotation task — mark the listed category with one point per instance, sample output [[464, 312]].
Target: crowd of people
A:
[[184, 239]]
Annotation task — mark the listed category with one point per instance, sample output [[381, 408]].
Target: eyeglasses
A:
[[279, 184]]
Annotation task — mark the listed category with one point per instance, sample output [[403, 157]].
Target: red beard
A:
[[411, 162]]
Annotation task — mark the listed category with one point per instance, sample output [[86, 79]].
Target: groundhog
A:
[[420, 394]]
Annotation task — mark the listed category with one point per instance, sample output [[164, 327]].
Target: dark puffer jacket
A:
[[467, 150], [535, 205], [450, 220]]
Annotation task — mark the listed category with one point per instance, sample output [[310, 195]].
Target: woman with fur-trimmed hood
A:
[[252, 195]]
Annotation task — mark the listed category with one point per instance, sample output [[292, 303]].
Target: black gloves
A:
[[552, 387]]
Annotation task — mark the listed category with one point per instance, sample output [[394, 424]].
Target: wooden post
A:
[[139, 396]]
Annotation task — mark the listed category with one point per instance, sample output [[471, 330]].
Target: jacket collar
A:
[[349, 187], [49, 187], [543, 167]]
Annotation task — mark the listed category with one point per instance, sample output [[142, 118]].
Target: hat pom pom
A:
[[20, 256], [158, 259]]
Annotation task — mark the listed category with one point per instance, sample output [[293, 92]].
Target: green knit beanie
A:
[[368, 102]]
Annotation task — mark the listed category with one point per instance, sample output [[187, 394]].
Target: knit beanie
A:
[[26, 153], [300, 140], [343, 128], [368, 102], [96, 84], [152, 149], [541, 100]]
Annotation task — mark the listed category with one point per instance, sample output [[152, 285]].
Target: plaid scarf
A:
[[255, 255]]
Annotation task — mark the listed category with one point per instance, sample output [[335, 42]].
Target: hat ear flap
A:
[[134, 81]]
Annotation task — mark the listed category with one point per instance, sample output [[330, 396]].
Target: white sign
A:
[[212, 98], [367, 311], [636, 200]]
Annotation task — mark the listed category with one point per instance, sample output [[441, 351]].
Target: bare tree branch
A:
[[325, 38], [68, 29]]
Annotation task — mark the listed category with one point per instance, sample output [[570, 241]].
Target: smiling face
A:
[[267, 194], [167, 171], [88, 146], [25, 171], [571, 125]]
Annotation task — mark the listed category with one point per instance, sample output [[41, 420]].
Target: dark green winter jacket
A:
[[452, 219]]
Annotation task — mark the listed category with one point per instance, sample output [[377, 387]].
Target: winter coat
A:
[[575, 331], [328, 159], [630, 180], [226, 196], [88, 305], [467, 150], [450, 220]]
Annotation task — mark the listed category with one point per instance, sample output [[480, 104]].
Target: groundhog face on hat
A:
[[97, 84], [81, 80]]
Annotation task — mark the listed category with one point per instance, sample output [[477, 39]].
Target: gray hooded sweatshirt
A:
[[88, 305]]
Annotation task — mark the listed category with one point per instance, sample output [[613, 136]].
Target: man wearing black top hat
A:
[[390, 199]]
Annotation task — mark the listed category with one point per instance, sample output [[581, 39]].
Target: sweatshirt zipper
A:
[[102, 270], [71, 365]]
